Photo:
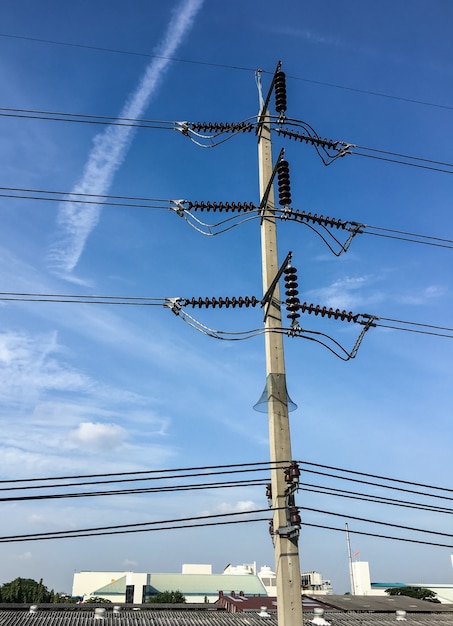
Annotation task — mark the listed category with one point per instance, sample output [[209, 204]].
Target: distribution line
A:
[[9, 296], [367, 92], [209, 470], [20, 193], [82, 118], [200, 522], [368, 475]]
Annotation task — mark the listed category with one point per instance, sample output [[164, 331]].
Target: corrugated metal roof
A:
[[384, 604], [129, 617]]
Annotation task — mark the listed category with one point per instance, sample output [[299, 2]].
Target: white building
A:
[[362, 586], [196, 582], [313, 584]]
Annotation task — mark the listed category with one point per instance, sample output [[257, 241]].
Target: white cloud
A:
[[344, 293], [98, 436], [25, 556], [28, 367], [77, 220], [423, 296], [241, 506]]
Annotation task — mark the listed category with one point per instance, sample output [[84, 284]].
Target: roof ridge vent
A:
[[318, 619]]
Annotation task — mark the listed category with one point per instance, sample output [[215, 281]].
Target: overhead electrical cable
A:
[[131, 53], [85, 118], [379, 477], [225, 66], [128, 528], [209, 470], [361, 532], [384, 155], [139, 491], [200, 522], [260, 464], [163, 475], [374, 499], [167, 204], [374, 484], [8, 296], [378, 522]]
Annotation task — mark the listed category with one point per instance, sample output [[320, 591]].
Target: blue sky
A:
[[90, 389]]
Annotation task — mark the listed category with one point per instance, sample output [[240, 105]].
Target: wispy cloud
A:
[[97, 436], [346, 292], [76, 221], [423, 296]]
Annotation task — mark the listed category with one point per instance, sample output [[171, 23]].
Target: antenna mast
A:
[[351, 571]]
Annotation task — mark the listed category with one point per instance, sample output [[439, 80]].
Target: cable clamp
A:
[[178, 206], [183, 128], [174, 304], [289, 532], [346, 149]]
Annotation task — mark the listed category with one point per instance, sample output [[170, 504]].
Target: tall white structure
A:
[[361, 581]]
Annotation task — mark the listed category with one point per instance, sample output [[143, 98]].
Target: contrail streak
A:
[[76, 221]]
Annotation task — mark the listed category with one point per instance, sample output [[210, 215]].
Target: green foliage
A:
[[413, 592], [168, 597], [97, 600], [25, 590]]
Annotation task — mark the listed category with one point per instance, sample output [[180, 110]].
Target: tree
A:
[[25, 590], [413, 592], [168, 597], [97, 600]]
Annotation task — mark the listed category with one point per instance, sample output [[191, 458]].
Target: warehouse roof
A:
[[147, 617], [384, 604]]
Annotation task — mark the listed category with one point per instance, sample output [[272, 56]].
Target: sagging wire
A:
[[176, 306], [208, 134], [310, 136], [209, 230], [183, 209], [301, 217], [211, 134]]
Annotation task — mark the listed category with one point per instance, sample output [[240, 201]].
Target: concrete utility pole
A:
[[287, 567]]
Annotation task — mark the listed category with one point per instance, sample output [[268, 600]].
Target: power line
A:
[[401, 162], [263, 464], [47, 195], [374, 499], [178, 474], [368, 475], [128, 528], [373, 484], [378, 522], [228, 67], [176, 525], [82, 118], [159, 203], [210, 470], [400, 235], [132, 53], [361, 532], [9, 296], [139, 491]]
